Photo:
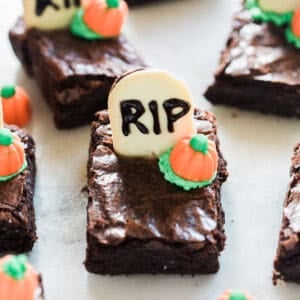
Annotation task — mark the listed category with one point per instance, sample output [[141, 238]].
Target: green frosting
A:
[[259, 15], [16, 267], [6, 178], [169, 175], [199, 143], [237, 295], [8, 91], [79, 28], [6, 137], [292, 38], [113, 3]]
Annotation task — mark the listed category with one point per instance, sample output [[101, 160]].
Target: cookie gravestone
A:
[[279, 6], [50, 14], [149, 112]]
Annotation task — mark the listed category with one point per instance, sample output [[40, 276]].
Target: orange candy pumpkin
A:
[[194, 159], [12, 155], [16, 105], [296, 23], [18, 280], [106, 17]]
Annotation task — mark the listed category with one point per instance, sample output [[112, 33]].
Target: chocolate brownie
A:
[[258, 70], [140, 223], [17, 220], [287, 261], [74, 75]]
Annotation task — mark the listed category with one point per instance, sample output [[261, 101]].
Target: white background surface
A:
[[184, 37]]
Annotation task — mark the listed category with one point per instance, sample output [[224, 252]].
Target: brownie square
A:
[[74, 75], [287, 261], [258, 70], [140, 223], [17, 219]]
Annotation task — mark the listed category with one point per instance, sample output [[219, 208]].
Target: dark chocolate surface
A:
[[17, 221], [287, 261], [137, 202], [258, 69], [74, 75]]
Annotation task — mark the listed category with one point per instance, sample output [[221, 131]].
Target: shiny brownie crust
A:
[[73, 74], [17, 219], [139, 223], [258, 70], [287, 261]]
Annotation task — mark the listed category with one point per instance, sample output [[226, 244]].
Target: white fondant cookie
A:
[[150, 110], [50, 14], [279, 6]]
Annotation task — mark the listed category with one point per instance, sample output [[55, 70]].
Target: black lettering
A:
[[170, 105], [41, 5], [68, 3], [154, 110], [131, 111]]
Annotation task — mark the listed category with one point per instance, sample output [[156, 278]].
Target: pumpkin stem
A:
[[113, 3], [237, 295], [8, 91], [6, 137], [16, 267], [199, 143]]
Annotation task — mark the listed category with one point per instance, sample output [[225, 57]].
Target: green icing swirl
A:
[[16, 267], [259, 15], [6, 178], [292, 38], [80, 29], [169, 175]]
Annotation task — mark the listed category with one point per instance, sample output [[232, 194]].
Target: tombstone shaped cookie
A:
[[149, 111], [154, 178], [50, 14], [279, 6]]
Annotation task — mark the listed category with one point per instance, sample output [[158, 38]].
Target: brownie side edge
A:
[[287, 260]]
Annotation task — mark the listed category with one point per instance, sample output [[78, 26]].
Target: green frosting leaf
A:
[[199, 143], [6, 137], [16, 267], [113, 3], [169, 175], [80, 29], [237, 295], [292, 38], [6, 178], [259, 15], [8, 91]]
